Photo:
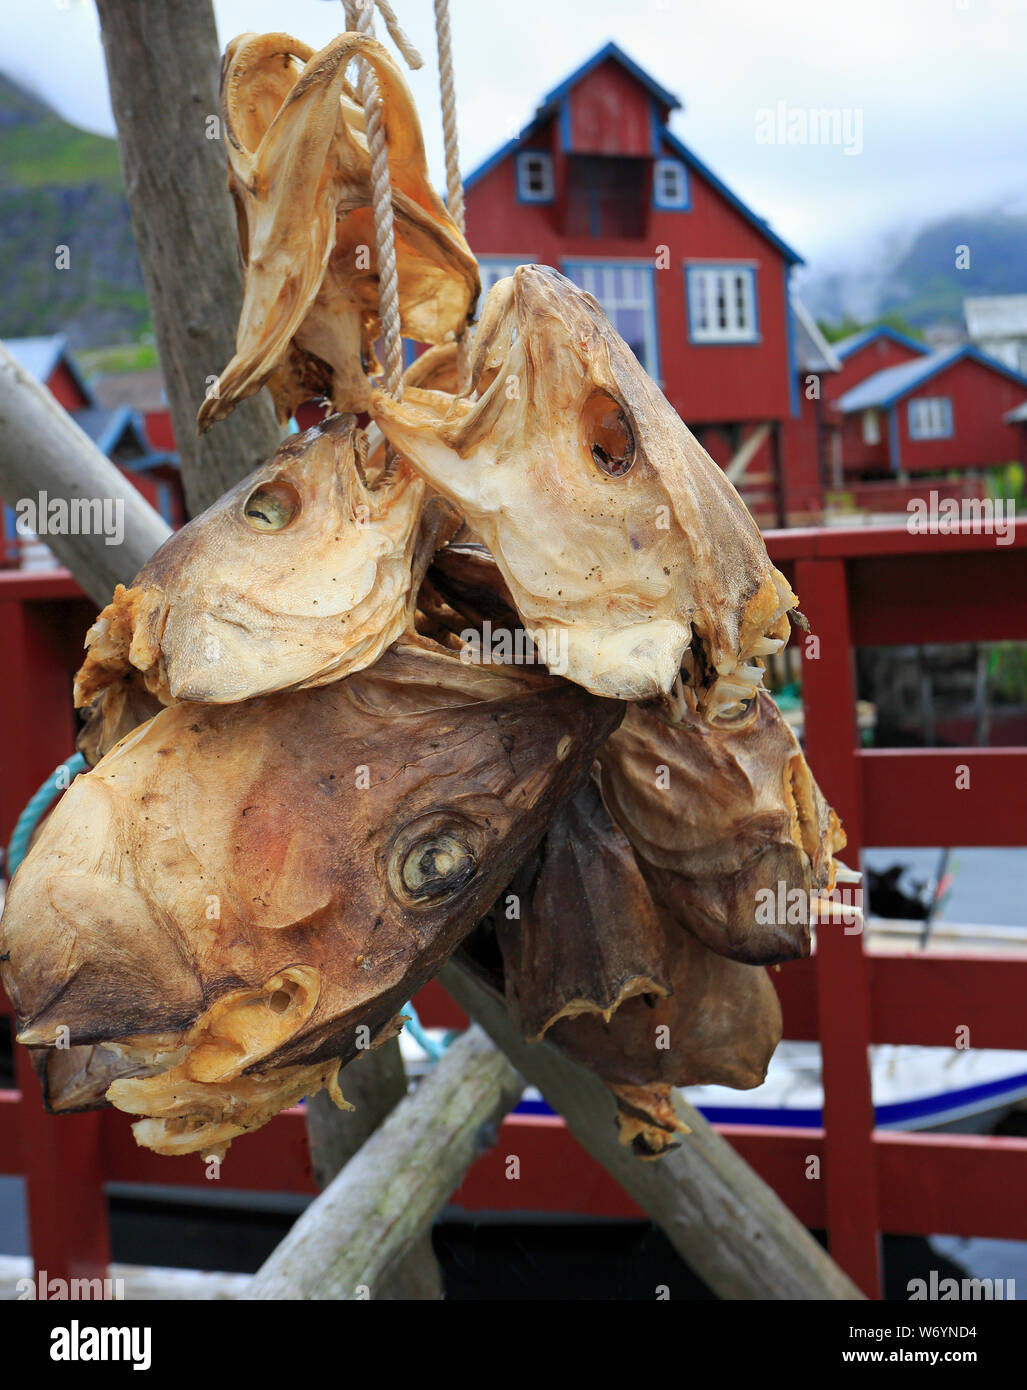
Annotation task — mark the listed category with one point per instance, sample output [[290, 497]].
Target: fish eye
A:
[[431, 860], [609, 436], [272, 506]]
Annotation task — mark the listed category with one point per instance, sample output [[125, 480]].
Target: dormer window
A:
[[670, 184], [535, 177]]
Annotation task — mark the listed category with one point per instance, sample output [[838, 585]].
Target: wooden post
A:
[[162, 64], [351, 1238], [722, 1219], [42, 450], [843, 986], [374, 1083]]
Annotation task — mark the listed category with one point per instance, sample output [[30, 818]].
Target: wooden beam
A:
[[43, 451], [350, 1239], [722, 1219], [163, 63], [374, 1084]]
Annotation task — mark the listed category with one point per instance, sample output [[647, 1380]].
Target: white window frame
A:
[[595, 276], [737, 282], [529, 164], [662, 199], [871, 426], [930, 417]]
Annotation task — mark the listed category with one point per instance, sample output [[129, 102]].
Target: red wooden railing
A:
[[860, 587]]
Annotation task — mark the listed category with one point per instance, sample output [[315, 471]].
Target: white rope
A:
[[360, 19], [454, 183], [447, 91]]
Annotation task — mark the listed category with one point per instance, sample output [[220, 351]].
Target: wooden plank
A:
[[952, 1184], [358, 1232], [729, 1226], [943, 796], [962, 596], [924, 998]]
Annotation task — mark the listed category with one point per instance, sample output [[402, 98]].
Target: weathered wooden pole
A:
[[351, 1237], [163, 63], [44, 458], [723, 1220]]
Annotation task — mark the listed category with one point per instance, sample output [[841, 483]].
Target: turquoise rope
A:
[[37, 809], [48, 794], [433, 1049]]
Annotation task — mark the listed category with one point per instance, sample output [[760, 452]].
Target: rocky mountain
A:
[[915, 274], [62, 187]]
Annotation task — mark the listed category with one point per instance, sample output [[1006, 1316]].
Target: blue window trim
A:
[[533, 199], [566, 267], [684, 204], [947, 433], [750, 270]]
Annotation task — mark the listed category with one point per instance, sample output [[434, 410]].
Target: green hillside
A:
[[61, 186]]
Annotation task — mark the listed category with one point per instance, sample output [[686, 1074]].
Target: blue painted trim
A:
[[963, 354], [10, 523], [893, 441], [915, 434], [148, 461], [685, 204], [847, 346], [749, 270], [652, 368], [489, 164], [793, 366], [527, 198], [939, 1108], [700, 168], [611, 50], [119, 423], [565, 125]]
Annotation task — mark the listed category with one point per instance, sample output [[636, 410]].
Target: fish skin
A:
[[735, 811], [633, 568], [107, 928], [224, 612], [299, 173]]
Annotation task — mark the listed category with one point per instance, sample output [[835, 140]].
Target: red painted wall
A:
[[62, 384], [608, 113], [159, 431], [800, 451], [980, 398], [705, 384], [876, 356]]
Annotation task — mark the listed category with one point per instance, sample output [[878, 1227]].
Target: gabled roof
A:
[[996, 316], [41, 357], [552, 99], [885, 388], [845, 347], [813, 353], [108, 428]]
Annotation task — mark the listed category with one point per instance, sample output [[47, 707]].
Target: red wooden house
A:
[[925, 413], [598, 186]]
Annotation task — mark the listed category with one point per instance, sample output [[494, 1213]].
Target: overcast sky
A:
[[937, 89]]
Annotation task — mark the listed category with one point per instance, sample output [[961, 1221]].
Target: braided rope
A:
[[360, 18], [454, 183]]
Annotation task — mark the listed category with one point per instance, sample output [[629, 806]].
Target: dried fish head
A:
[[298, 576], [238, 898], [612, 526]]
